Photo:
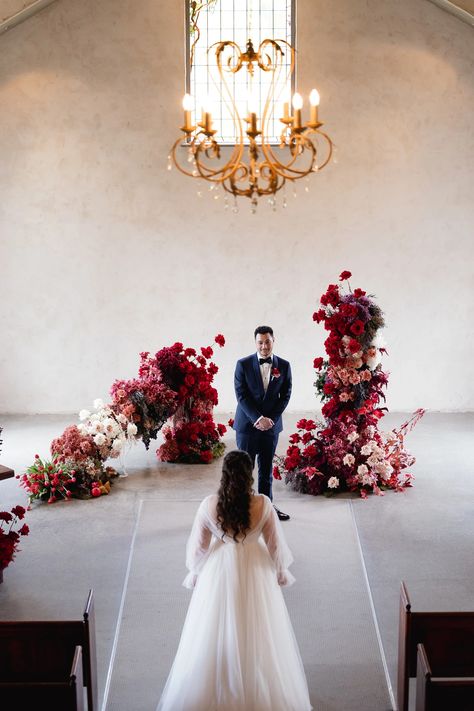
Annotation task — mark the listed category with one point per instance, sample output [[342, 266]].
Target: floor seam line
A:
[[121, 608], [374, 614]]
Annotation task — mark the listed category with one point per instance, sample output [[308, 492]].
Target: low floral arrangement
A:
[[9, 536], [175, 384], [64, 477], [346, 451]]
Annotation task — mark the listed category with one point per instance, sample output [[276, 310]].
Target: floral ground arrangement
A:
[[347, 451], [174, 386]]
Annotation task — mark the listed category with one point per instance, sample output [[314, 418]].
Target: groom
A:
[[263, 388]]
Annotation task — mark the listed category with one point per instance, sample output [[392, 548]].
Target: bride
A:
[[237, 651]]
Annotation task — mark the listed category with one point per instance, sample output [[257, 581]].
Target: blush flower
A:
[[333, 482]]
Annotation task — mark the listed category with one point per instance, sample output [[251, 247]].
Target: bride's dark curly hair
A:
[[233, 497]]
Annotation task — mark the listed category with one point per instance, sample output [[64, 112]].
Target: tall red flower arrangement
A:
[[192, 436], [347, 452]]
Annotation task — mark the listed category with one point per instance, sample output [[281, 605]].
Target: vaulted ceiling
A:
[[14, 11]]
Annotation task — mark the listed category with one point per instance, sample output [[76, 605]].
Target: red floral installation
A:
[[346, 451], [176, 385]]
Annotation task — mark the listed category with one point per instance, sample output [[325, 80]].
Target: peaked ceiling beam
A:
[[456, 9], [23, 14]]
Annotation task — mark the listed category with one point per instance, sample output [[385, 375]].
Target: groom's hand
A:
[[264, 423]]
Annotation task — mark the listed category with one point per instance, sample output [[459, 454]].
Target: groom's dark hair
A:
[[262, 330]]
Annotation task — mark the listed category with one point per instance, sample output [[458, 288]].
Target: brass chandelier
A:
[[256, 166]]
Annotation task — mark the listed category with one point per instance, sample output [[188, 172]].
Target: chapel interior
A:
[[107, 251]]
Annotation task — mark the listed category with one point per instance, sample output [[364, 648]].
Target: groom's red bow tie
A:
[[264, 360]]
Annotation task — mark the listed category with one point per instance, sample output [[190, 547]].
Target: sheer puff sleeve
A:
[[197, 547], [277, 547]]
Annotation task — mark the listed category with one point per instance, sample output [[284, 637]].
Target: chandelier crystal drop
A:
[[255, 166]]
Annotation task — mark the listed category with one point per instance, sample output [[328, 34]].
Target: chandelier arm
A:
[[330, 147], [220, 173], [285, 169]]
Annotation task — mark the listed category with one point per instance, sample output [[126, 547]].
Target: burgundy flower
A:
[[318, 363], [220, 340], [357, 328]]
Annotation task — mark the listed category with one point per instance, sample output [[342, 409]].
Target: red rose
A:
[[275, 373], [276, 473], [344, 275], [359, 292], [318, 363], [206, 456], [220, 340], [357, 328]]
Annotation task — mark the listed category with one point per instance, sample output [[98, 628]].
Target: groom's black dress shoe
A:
[[282, 516]]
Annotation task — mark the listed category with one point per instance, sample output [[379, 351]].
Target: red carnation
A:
[[318, 363], [357, 328], [276, 473], [220, 340], [222, 429], [359, 292], [230, 422], [24, 530], [206, 456], [207, 352], [319, 316], [354, 345], [345, 275]]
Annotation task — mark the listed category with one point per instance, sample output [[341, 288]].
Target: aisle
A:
[[328, 605]]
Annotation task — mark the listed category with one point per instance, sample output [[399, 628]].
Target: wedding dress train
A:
[[237, 651]]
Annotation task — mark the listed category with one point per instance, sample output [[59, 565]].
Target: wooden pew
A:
[[438, 693], [445, 635], [62, 694], [38, 652]]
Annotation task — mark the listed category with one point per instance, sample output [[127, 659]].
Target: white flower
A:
[[349, 459], [362, 469], [132, 429], [98, 426], [378, 341], [333, 482], [84, 414], [122, 419], [352, 436], [98, 403], [367, 479], [99, 439], [117, 445], [366, 450]]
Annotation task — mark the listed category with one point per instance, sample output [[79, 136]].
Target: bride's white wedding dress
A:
[[238, 651]]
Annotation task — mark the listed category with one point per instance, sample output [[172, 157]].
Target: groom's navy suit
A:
[[252, 403]]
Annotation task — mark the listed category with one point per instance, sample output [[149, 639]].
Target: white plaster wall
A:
[[105, 253]]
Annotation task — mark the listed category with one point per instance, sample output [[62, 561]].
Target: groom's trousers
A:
[[260, 446]]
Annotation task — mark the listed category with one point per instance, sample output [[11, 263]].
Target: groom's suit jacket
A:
[[253, 401]]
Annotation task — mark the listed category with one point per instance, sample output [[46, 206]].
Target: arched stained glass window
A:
[[236, 20]]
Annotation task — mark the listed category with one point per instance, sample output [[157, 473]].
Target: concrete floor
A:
[[358, 551]]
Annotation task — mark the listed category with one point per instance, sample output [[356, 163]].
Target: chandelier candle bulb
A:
[[314, 102], [286, 110], [297, 106], [187, 106]]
